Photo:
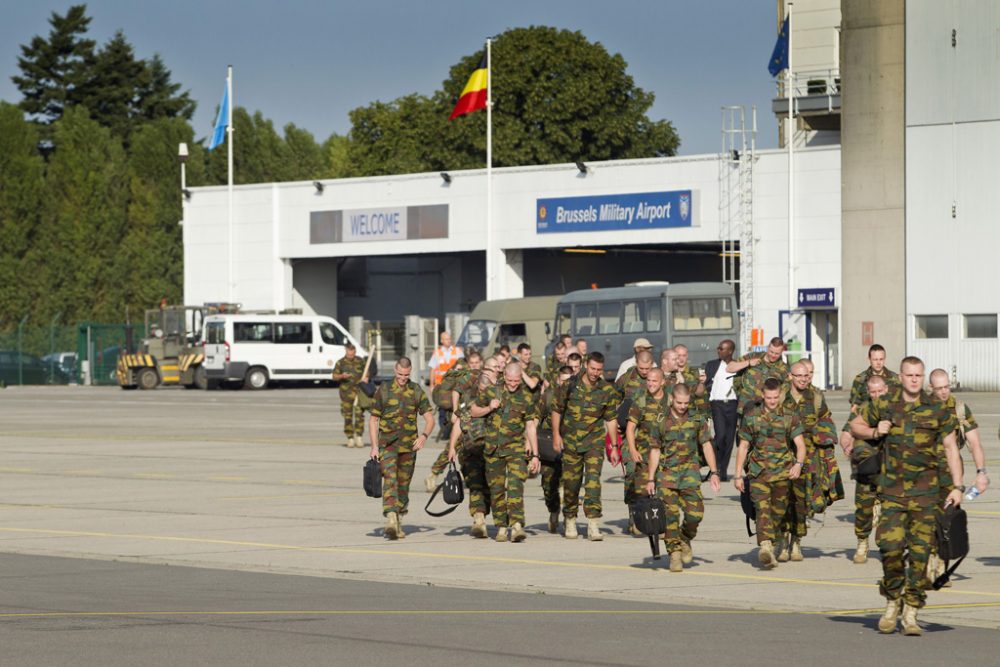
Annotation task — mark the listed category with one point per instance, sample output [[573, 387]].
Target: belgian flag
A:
[[474, 94]]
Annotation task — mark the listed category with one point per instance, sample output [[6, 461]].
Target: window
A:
[[654, 315], [331, 335], [703, 313], [477, 333], [215, 333], [931, 326], [586, 319], [632, 317], [512, 335], [293, 333], [981, 326], [252, 332], [610, 317], [563, 318]]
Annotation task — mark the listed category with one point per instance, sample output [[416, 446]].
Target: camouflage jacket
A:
[[966, 420], [646, 412], [913, 446], [862, 448], [699, 404], [466, 385], [859, 388], [584, 410], [505, 426], [355, 367], [630, 385], [770, 434], [817, 422], [679, 439], [749, 383], [397, 409]]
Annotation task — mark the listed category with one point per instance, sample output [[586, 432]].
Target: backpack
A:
[[649, 515], [952, 537]]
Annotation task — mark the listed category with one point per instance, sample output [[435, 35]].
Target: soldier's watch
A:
[[980, 471], [961, 488]]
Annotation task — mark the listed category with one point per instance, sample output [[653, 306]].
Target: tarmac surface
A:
[[244, 489]]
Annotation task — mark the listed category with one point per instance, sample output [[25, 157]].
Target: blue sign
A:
[[601, 213], [816, 297]]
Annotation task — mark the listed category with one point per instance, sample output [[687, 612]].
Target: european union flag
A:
[[219, 134], [779, 58]]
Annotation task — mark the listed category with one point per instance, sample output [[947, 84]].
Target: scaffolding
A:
[[736, 215]]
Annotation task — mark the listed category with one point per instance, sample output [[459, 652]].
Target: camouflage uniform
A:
[[646, 412], [456, 375], [770, 435], [908, 489], [678, 477], [630, 387], [470, 445], [584, 410], [353, 426], [506, 464], [551, 470], [815, 487], [859, 388], [865, 494], [397, 409], [964, 423], [749, 383], [699, 404]]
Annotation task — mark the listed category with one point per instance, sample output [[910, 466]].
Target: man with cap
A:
[[637, 347]]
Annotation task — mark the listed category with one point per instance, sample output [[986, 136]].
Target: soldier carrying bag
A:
[[373, 478], [649, 515], [952, 536], [451, 489]]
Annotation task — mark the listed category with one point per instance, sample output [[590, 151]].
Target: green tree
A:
[[306, 159], [557, 98], [335, 163], [22, 182]]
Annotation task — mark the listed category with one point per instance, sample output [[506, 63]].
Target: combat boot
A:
[[861, 555], [392, 526], [594, 531], [517, 533], [797, 549], [502, 534], [784, 552], [635, 532], [687, 555], [479, 525], [910, 627], [553, 522], [676, 561], [569, 530], [765, 554], [359, 442], [887, 624], [431, 482]]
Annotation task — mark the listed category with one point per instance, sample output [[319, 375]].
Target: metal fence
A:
[[37, 355], [98, 346]]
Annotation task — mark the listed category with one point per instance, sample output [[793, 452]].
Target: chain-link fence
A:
[[38, 355], [98, 346]]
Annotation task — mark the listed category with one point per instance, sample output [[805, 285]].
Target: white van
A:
[[257, 349]]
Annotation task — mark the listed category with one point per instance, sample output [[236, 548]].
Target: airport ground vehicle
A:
[[510, 322], [172, 354], [255, 349], [698, 315]]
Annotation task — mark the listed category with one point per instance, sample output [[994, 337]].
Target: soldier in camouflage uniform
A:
[[764, 459], [584, 416], [694, 378], [866, 504], [918, 430], [646, 408], [468, 443], [752, 370], [552, 469], [511, 412], [465, 371], [813, 490], [674, 472], [532, 372], [395, 443], [631, 385], [876, 368], [553, 363], [347, 372]]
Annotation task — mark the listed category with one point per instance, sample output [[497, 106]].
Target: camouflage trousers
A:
[[441, 462], [397, 472], [681, 501], [635, 474], [865, 497], [353, 420], [771, 501], [551, 479], [505, 476], [905, 534], [794, 521], [470, 457], [582, 469], [827, 487]]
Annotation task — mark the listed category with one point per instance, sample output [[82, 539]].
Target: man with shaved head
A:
[[631, 385], [694, 378], [876, 367], [753, 369], [643, 413]]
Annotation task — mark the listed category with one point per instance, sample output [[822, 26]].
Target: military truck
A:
[[172, 353]]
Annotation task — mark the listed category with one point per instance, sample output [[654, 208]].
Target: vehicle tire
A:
[[147, 379], [200, 378], [212, 385], [256, 378]]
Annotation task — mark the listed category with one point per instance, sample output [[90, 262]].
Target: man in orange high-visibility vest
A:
[[442, 360]]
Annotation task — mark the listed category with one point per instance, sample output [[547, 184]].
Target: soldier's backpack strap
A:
[[963, 423]]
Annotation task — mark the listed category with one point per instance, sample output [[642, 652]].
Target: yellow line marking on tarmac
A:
[[7, 469], [93, 471], [982, 513], [457, 557], [227, 478]]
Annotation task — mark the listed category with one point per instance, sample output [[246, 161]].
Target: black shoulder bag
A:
[[952, 536], [649, 515], [452, 490], [373, 478]]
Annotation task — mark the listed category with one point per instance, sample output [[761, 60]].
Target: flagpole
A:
[[229, 167], [490, 269], [790, 93]]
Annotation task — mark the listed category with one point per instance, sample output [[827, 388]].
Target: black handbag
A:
[[452, 489], [749, 509], [373, 478], [649, 516], [546, 451], [952, 536]]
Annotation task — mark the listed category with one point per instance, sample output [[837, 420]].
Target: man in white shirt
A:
[[722, 400], [639, 345]]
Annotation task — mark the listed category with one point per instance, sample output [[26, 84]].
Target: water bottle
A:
[[972, 493]]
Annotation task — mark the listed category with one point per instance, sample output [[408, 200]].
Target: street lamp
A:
[[182, 157]]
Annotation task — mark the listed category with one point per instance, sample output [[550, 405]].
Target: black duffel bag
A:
[[952, 537], [649, 515], [373, 478], [452, 489]]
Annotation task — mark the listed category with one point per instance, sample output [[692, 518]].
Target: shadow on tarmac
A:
[[871, 622]]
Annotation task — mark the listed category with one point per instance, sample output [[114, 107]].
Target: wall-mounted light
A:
[[187, 193], [582, 167], [318, 186], [586, 251], [446, 177]]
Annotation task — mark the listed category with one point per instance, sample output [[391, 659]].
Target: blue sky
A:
[[310, 62]]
